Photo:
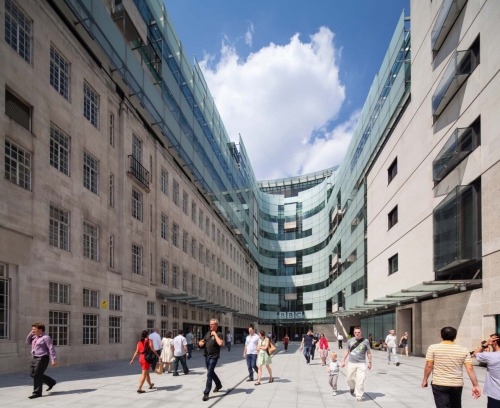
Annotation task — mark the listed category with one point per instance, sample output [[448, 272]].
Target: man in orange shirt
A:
[[445, 361]]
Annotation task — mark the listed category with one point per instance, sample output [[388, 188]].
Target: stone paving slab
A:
[[114, 384]]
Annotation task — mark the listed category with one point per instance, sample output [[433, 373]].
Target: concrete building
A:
[[124, 204]]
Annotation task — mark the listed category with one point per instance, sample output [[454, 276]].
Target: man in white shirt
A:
[[180, 348], [340, 339], [250, 352], [492, 360], [390, 341], [156, 339]]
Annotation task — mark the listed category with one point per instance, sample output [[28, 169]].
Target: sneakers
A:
[[352, 391], [359, 399], [334, 393], [397, 364]]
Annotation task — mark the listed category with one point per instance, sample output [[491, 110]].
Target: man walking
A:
[[156, 339], [340, 339], [212, 343], [180, 348], [445, 361], [42, 351], [190, 344], [250, 352], [358, 349], [306, 345], [492, 360], [390, 340], [229, 340]]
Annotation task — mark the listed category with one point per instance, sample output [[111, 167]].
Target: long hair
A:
[[144, 335]]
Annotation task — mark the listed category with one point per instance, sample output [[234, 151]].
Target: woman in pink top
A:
[[323, 348]]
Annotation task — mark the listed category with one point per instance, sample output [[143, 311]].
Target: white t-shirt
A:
[[156, 339], [390, 341], [334, 367], [179, 343], [340, 337], [229, 338], [492, 383], [251, 343]]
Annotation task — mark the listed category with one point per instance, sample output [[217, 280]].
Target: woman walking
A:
[[167, 355], [263, 357], [403, 344], [286, 340], [323, 348], [143, 345]]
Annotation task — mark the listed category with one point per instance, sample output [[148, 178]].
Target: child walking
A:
[[333, 372]]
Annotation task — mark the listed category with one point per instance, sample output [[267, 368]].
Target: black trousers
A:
[[38, 367], [447, 397], [182, 360], [493, 403]]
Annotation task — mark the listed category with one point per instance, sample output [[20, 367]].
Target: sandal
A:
[[140, 391], [257, 383], [271, 379], [151, 386]]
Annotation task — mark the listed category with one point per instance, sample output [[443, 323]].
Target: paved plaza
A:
[[114, 384]]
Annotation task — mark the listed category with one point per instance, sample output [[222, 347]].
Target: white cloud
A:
[[277, 99], [249, 35]]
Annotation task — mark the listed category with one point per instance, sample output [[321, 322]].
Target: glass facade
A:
[[291, 229]]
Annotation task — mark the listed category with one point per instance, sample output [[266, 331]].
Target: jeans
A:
[[307, 354], [252, 365], [182, 359], [211, 375], [38, 367], [190, 350], [447, 397], [228, 344], [392, 351]]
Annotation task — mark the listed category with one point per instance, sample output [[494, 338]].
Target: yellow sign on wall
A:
[[104, 304]]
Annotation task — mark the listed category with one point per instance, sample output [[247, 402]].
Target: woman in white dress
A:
[[167, 355]]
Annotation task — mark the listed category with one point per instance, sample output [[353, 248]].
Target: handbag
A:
[[159, 368], [149, 356], [271, 349]]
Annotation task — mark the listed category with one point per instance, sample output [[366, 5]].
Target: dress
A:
[[167, 355], [142, 361], [263, 358]]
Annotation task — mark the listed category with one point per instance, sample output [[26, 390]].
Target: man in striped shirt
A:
[[445, 361]]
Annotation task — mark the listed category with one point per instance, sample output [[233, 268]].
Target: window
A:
[[193, 248], [115, 302], [90, 173], [17, 165], [58, 293], [115, 329], [18, 30], [193, 315], [137, 259], [207, 226], [59, 328], [59, 228], [90, 105], [59, 150], [111, 190], [193, 211], [150, 325], [164, 226], [18, 110], [90, 329], [185, 241], [175, 312], [185, 277], [200, 218], [164, 272], [59, 72], [201, 254], [137, 148], [112, 129], [136, 204], [164, 310], [392, 171], [175, 235], [185, 202], [185, 314], [193, 285], [175, 277], [392, 217], [175, 193], [151, 308], [164, 181], [393, 264], [90, 298], [111, 251], [164, 328], [4, 303], [90, 241]]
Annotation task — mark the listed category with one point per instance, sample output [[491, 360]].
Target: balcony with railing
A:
[[139, 171], [448, 13]]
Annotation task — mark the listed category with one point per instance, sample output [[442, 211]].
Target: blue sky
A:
[[289, 76]]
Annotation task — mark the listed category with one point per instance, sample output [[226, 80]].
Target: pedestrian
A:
[[340, 339], [264, 358], [179, 348], [306, 344], [314, 344], [445, 361], [167, 355], [229, 340], [42, 352], [390, 340], [323, 348], [156, 339], [286, 340], [492, 360], [333, 372], [143, 345], [250, 352], [190, 344], [212, 343], [403, 344], [370, 339], [358, 349]]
